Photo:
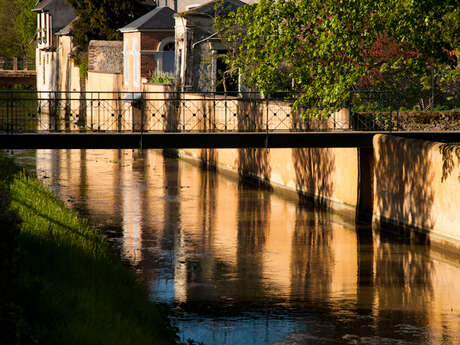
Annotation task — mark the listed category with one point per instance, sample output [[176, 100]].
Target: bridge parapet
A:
[[16, 64]]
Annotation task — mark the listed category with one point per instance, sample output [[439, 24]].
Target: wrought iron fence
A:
[[32, 111]]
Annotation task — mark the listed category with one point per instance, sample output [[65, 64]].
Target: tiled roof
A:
[[161, 18]]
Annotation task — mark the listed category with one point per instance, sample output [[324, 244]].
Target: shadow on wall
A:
[[313, 170], [449, 153], [403, 180], [252, 163]]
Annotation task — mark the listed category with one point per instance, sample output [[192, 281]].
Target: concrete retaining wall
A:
[[327, 176], [417, 185]]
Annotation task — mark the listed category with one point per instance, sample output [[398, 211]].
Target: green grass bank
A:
[[66, 285]]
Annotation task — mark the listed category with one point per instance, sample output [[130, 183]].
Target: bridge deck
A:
[[206, 140]]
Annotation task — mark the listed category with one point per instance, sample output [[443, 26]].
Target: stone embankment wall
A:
[[417, 185], [405, 183]]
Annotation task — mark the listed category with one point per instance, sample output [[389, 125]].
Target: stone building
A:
[[148, 47], [52, 16], [198, 66]]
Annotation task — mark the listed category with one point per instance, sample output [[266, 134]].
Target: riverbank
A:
[[70, 287]]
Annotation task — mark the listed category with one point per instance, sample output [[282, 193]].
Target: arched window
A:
[[167, 44], [167, 50]]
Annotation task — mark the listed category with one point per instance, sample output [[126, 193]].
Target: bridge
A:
[[17, 71], [207, 140], [115, 120], [24, 77]]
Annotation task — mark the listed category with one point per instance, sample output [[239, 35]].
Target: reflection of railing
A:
[[16, 64], [31, 111]]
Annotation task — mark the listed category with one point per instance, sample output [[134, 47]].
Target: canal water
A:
[[240, 265]]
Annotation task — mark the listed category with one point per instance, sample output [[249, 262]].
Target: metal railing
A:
[[32, 111]]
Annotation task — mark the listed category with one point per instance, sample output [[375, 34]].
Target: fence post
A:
[[15, 63], [183, 112], [55, 112], [142, 109], [92, 117]]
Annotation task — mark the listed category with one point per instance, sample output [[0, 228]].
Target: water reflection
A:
[[245, 266]]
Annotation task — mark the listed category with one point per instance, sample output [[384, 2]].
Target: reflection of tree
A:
[[403, 282], [405, 266], [207, 206], [254, 209], [312, 257], [172, 206]]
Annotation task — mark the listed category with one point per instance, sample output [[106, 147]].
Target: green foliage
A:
[[10, 40], [329, 47], [26, 25], [100, 19], [18, 24], [83, 66], [71, 287], [11, 321], [162, 78]]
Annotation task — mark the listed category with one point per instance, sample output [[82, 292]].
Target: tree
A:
[[17, 29], [327, 47], [100, 19], [26, 25], [10, 40]]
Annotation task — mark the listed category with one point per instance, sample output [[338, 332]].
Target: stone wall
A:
[[417, 185], [105, 56]]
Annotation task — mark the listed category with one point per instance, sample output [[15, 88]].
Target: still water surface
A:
[[240, 265]]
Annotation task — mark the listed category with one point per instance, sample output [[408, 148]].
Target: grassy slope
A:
[[73, 289]]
